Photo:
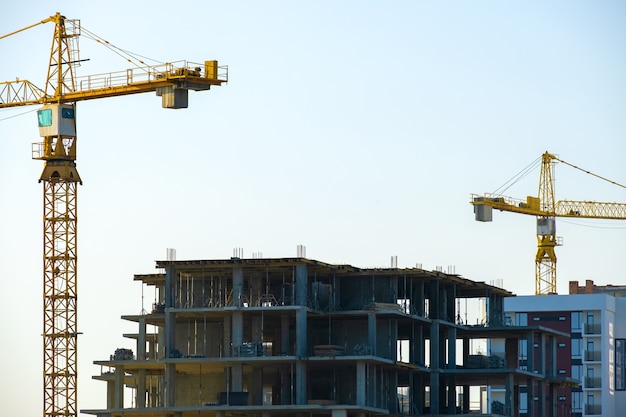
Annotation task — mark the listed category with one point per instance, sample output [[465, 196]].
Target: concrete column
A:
[[170, 319], [301, 387], [237, 341], [434, 368], [452, 348], [301, 333], [418, 298], [237, 287], [119, 387], [227, 341], [301, 286], [417, 347], [110, 394], [530, 351], [170, 385], [372, 378], [361, 384], [141, 340], [140, 397], [434, 301], [466, 352], [371, 332], [508, 395], [451, 382], [496, 310], [450, 303], [284, 336], [530, 397]]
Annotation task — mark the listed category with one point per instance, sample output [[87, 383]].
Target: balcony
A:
[[593, 328], [593, 355], [593, 409], [593, 382]]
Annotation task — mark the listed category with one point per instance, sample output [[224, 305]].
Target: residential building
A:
[[595, 354]]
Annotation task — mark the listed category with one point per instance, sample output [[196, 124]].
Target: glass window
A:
[[577, 319], [521, 319], [44, 117], [523, 402], [523, 348], [590, 318], [67, 113], [577, 348], [577, 371], [620, 364], [577, 397]]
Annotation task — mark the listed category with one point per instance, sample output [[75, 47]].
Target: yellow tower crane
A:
[[546, 208], [57, 127]]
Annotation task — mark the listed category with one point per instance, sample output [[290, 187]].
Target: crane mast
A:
[[546, 208], [545, 259], [60, 201], [60, 178]]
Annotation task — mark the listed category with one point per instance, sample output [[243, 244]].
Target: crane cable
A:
[[591, 173], [130, 57], [517, 177]]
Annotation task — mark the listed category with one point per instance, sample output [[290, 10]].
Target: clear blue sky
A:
[[356, 128]]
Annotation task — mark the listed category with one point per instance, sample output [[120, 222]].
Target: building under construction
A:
[[299, 337]]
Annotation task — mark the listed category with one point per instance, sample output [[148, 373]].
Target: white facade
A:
[[598, 322]]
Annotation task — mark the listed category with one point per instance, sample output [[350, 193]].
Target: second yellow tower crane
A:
[[546, 209]]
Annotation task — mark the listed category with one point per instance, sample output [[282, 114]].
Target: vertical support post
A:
[[371, 332], [118, 401], [284, 335], [434, 367], [301, 285], [361, 382], [530, 397], [530, 351], [237, 341], [508, 395], [237, 287], [170, 336]]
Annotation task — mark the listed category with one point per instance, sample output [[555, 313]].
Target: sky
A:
[[356, 128]]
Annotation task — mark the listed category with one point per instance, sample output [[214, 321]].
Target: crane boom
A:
[[563, 208], [179, 75], [546, 209], [57, 127]]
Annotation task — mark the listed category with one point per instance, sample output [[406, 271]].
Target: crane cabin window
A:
[[67, 113], [44, 117]]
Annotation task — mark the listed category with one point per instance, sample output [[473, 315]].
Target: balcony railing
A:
[[593, 382], [593, 409], [593, 355], [593, 328]]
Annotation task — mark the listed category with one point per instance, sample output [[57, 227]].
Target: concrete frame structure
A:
[[591, 355], [295, 336]]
